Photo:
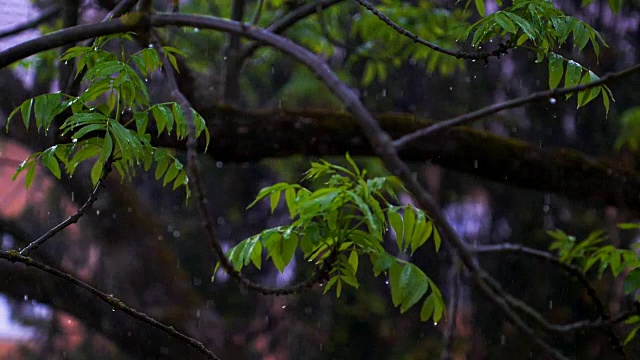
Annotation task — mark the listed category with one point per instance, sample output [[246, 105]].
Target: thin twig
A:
[[196, 182], [492, 109], [46, 15], [502, 49], [14, 256], [75, 217]]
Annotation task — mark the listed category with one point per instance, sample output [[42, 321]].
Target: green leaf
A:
[[162, 115], [556, 69], [181, 180], [25, 111], [631, 335], [629, 226], [615, 5], [50, 162], [480, 7], [396, 224], [172, 172], [355, 167], [572, 76], [585, 96], [394, 281], [353, 260], [632, 282], [274, 199], [162, 163], [408, 285], [504, 22], [290, 198], [96, 172], [31, 171], [580, 35], [423, 230], [436, 239], [45, 108], [523, 24], [382, 262], [256, 254], [409, 225]]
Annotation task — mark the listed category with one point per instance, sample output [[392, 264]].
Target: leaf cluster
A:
[[337, 224], [590, 252], [95, 126], [536, 21]]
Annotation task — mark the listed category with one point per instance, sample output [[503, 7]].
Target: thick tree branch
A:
[[242, 135]]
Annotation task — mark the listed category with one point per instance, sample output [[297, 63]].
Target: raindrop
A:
[[150, 46], [474, 60], [98, 212], [219, 164], [26, 297], [66, 62], [450, 88], [475, 164], [435, 323], [545, 209], [474, 77], [74, 141], [386, 282], [113, 309], [384, 92], [503, 339], [196, 30], [284, 306], [176, 234], [550, 304], [198, 313], [552, 100], [73, 196]]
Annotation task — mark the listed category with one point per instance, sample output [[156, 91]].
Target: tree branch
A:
[[603, 314], [492, 109], [282, 24], [75, 217], [502, 49], [116, 303]]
